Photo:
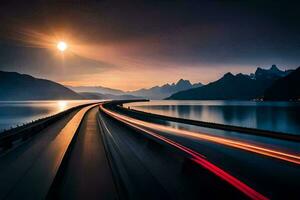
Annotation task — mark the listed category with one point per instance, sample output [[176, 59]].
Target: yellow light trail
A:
[[197, 158], [202, 136]]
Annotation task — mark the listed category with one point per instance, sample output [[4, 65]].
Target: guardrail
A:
[[7, 138], [243, 130]]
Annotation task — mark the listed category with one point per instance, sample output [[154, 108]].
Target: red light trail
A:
[[196, 157]]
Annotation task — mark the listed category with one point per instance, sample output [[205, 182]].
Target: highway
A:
[[95, 152], [270, 172]]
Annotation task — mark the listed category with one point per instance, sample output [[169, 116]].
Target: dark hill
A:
[[228, 87], [286, 88], [15, 86]]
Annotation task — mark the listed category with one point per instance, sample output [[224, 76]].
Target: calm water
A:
[[275, 116], [18, 112]]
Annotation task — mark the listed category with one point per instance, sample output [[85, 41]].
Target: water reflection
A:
[[13, 113], [276, 116], [62, 105]]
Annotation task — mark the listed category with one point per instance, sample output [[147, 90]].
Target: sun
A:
[[62, 46]]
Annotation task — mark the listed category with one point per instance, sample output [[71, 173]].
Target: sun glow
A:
[[62, 105], [62, 46]]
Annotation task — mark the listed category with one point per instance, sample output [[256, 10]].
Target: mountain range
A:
[[267, 84], [15, 86], [161, 92], [156, 92], [239, 87]]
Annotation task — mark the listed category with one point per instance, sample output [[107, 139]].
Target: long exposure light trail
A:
[[197, 158], [224, 141]]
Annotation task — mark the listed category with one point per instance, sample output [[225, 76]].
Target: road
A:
[[276, 178], [102, 154], [148, 171], [86, 174]]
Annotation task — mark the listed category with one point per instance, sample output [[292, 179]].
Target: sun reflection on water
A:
[[62, 105]]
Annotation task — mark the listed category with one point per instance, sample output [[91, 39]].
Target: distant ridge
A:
[[96, 89], [15, 86], [156, 92], [91, 95], [161, 92], [230, 87]]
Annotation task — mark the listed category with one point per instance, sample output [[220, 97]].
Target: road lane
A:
[[152, 171], [275, 178], [16, 162], [134, 179], [34, 179], [87, 174]]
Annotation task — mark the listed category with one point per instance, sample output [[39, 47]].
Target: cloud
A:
[[113, 41]]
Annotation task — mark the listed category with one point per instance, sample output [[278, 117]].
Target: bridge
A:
[[107, 151]]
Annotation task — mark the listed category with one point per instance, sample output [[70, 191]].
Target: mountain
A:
[[96, 89], [92, 95], [270, 73], [286, 88], [240, 86], [228, 87], [15, 86], [161, 92], [156, 92]]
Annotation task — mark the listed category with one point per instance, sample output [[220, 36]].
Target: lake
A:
[[274, 116], [13, 113]]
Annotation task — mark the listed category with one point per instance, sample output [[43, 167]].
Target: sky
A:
[[138, 44]]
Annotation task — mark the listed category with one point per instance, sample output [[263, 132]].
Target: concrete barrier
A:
[[22, 133], [243, 130]]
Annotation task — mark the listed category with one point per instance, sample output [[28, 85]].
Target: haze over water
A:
[[274, 116]]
